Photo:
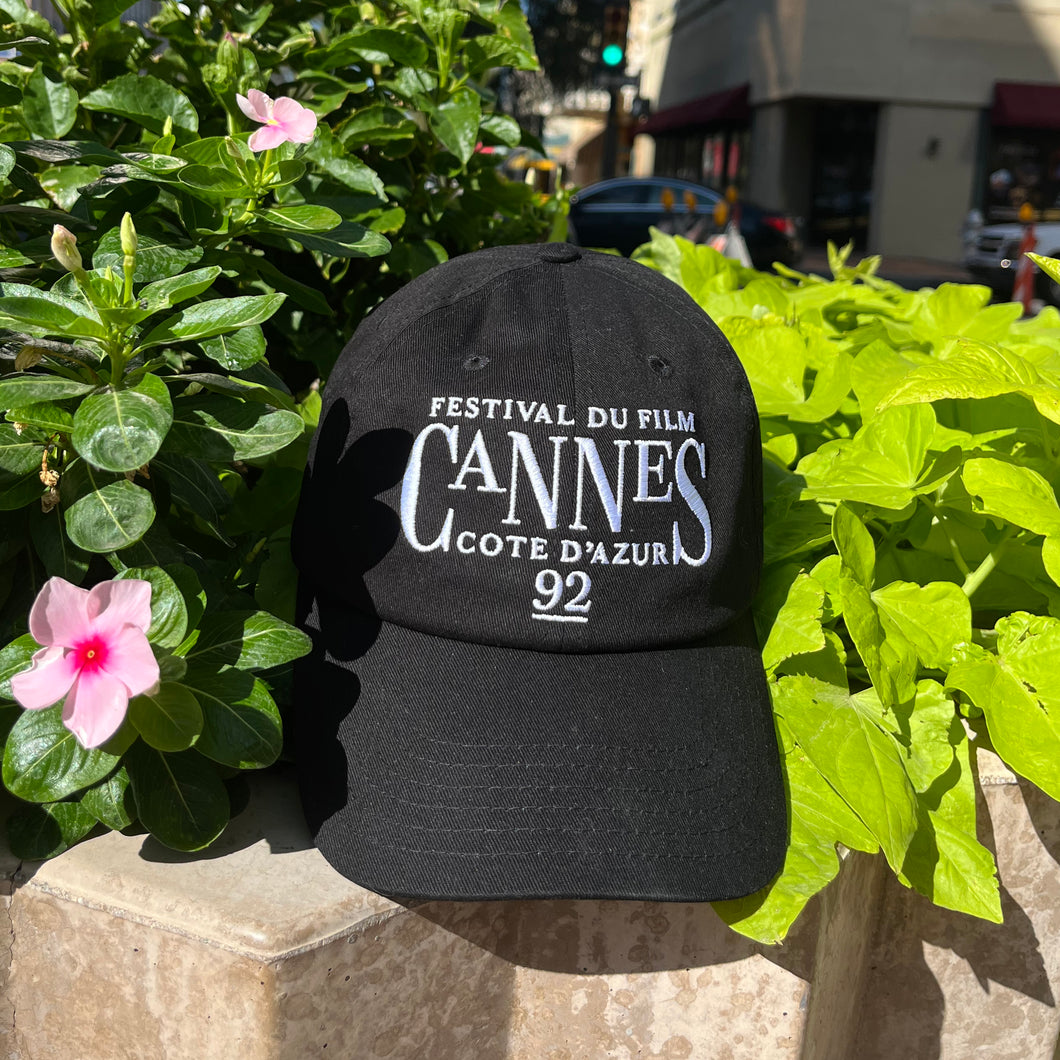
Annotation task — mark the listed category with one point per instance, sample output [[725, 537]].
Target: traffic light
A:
[[613, 40]]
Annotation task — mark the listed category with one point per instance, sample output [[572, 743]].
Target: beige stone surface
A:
[[945, 986]]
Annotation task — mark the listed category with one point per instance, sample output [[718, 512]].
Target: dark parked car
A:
[[617, 214]]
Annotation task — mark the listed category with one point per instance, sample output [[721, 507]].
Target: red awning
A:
[[731, 105], [1024, 105]]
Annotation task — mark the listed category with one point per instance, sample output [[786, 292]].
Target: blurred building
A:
[[140, 12], [884, 121]]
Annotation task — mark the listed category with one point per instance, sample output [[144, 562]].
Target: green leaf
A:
[[18, 456], [168, 292], [820, 819], [881, 465], [14, 658], [121, 430], [169, 719], [110, 801], [46, 415], [146, 100], [855, 545], [25, 389], [455, 122], [43, 761], [110, 517], [300, 218], [933, 618], [179, 797], [248, 640], [154, 260], [237, 349], [61, 558], [39, 832], [860, 761], [1022, 731], [797, 627], [1017, 494], [7, 162], [49, 107], [500, 128], [169, 613], [206, 319], [222, 429], [242, 726], [377, 125], [216, 180], [194, 485], [45, 313], [348, 240]]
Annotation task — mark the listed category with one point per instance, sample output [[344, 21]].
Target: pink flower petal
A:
[[95, 707], [131, 661], [60, 614], [267, 137], [255, 105], [302, 127], [114, 604], [48, 679]]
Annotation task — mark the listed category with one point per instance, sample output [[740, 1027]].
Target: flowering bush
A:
[[194, 216], [910, 602]]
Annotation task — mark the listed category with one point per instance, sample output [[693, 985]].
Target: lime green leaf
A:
[[774, 358], [860, 761], [168, 719], [121, 430], [881, 465], [43, 762], [797, 627], [820, 819], [1017, 494], [857, 551], [110, 517], [146, 100], [179, 797], [933, 618], [241, 723]]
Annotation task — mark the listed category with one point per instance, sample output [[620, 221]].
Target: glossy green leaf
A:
[[300, 218], [179, 797], [377, 125], [241, 725], [194, 485], [168, 719], [39, 832], [174, 289], [862, 762], [348, 240], [44, 762], [48, 107], [25, 389], [223, 429], [206, 319], [60, 556], [110, 801], [455, 122], [14, 658], [121, 430], [236, 350], [857, 552], [110, 516], [48, 315], [143, 99], [248, 640], [169, 613], [155, 260], [217, 180], [47, 415]]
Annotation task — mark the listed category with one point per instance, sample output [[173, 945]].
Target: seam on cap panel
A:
[[362, 367], [564, 280]]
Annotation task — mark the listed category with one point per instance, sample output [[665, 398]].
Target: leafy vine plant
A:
[[195, 214]]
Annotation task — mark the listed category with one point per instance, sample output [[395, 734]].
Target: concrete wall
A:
[[781, 146]]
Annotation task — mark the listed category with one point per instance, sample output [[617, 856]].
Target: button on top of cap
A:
[[560, 253]]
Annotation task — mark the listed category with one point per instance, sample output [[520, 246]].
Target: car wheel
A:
[[1048, 288]]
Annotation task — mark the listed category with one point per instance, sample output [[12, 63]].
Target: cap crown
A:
[[536, 447]]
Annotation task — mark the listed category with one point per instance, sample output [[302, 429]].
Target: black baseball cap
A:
[[528, 539]]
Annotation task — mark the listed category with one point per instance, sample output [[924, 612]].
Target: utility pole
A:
[[613, 77]]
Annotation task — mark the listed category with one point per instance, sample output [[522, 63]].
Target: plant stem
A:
[[962, 565], [990, 561]]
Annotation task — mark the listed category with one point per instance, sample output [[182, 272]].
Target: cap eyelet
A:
[[475, 362], [660, 365]]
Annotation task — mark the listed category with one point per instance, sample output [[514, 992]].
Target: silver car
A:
[[991, 254]]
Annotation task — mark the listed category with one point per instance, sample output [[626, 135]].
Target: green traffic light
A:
[[612, 55]]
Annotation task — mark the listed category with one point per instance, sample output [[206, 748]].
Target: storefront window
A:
[[1024, 166]]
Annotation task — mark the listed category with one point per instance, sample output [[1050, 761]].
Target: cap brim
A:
[[435, 768]]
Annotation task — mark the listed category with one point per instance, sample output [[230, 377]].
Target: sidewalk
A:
[[912, 273]]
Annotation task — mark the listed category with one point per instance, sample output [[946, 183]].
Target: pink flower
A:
[[95, 653], [285, 119]]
